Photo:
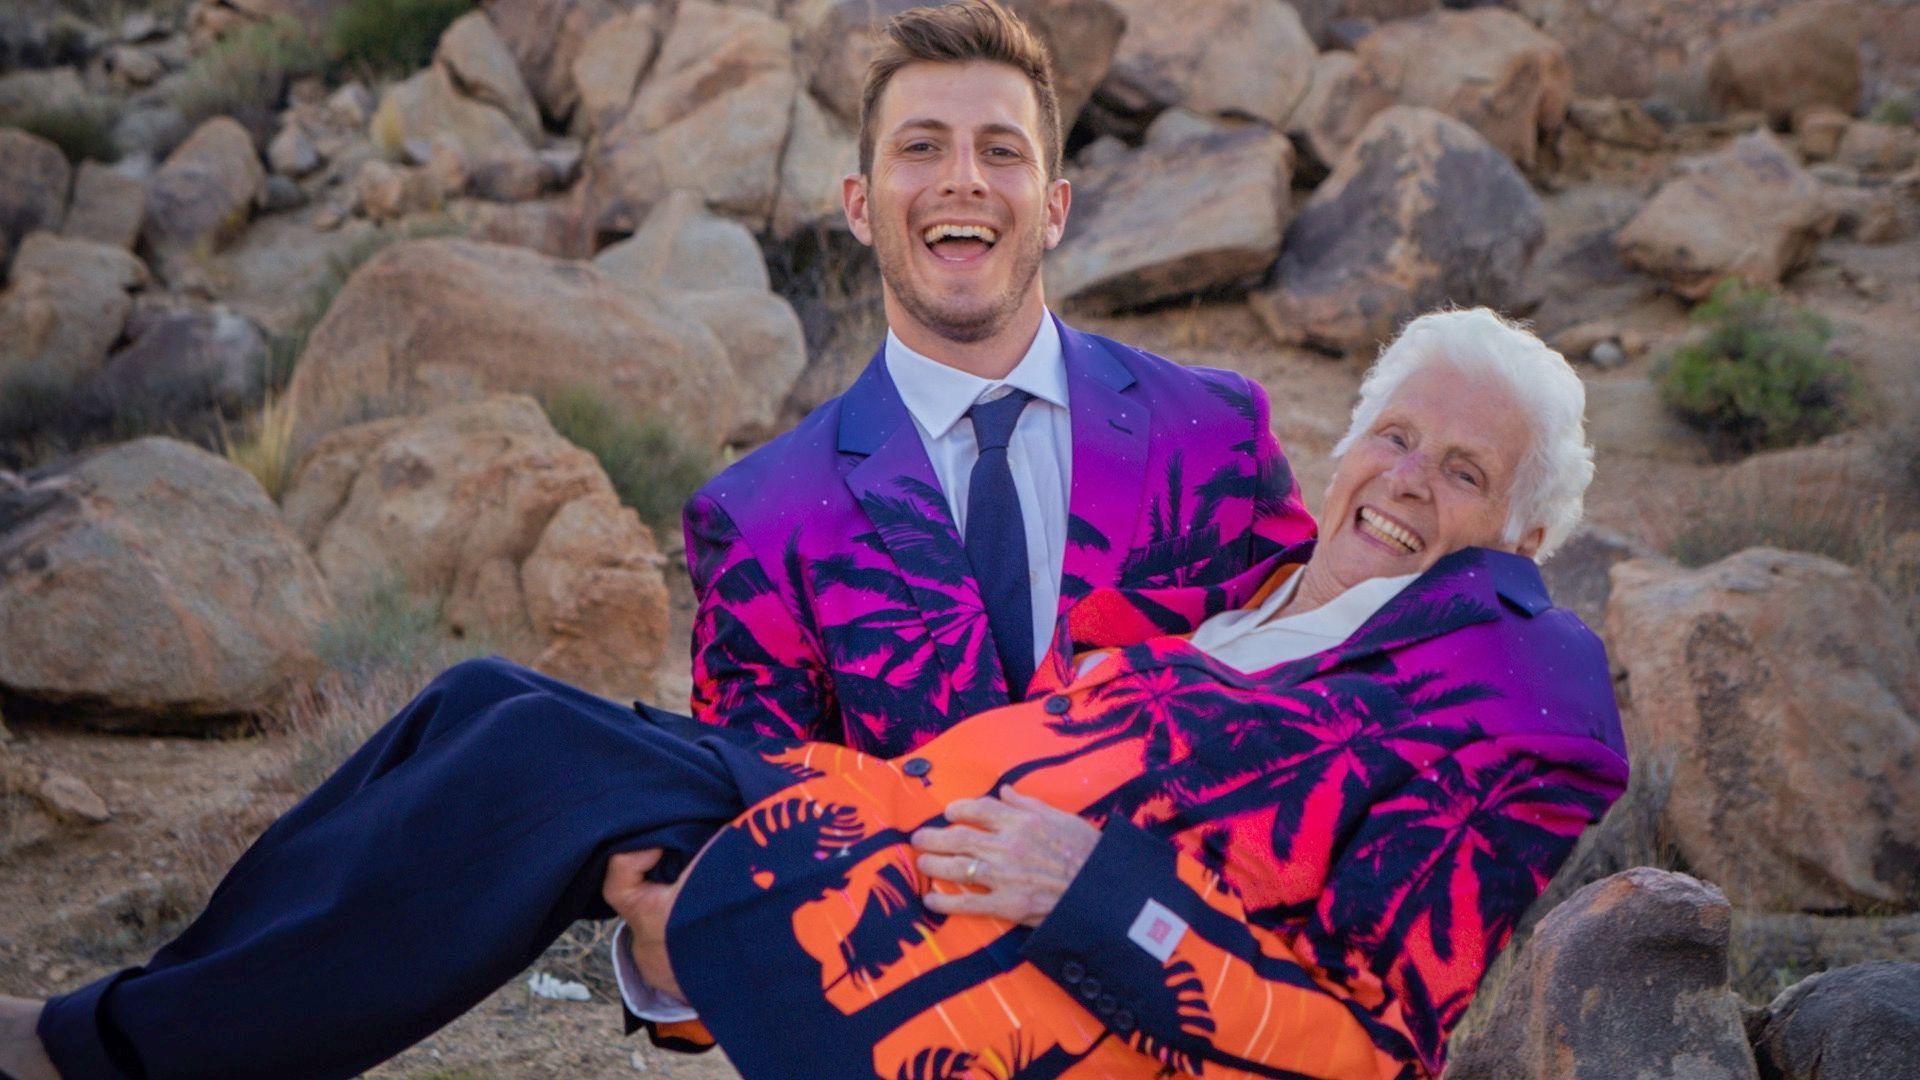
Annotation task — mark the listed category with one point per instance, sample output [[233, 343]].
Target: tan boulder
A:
[[1807, 55], [1250, 58], [109, 206], [481, 68], [1181, 215], [711, 116], [550, 226], [612, 61], [820, 150], [1878, 148], [1817, 131], [428, 109], [1748, 211], [1487, 67], [1082, 37], [34, 176], [1792, 737], [202, 196], [63, 309], [1341, 97], [151, 585], [545, 38], [1860, 1022], [1421, 212], [683, 245], [1623, 48], [429, 321], [513, 533], [765, 344], [1627, 978]]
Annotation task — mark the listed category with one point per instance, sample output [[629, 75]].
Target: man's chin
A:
[[962, 323]]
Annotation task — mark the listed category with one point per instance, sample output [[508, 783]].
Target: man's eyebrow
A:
[[927, 123]]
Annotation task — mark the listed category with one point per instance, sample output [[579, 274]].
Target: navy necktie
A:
[[997, 539]]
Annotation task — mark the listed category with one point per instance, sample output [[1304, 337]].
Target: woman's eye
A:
[[1468, 478], [1396, 439]]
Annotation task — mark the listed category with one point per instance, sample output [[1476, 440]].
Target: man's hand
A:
[[1015, 852], [645, 905]]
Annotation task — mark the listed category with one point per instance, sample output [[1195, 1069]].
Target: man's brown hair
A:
[[956, 33]]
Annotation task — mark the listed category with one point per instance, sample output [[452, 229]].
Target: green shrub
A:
[[652, 467], [82, 128], [245, 74], [1894, 109], [1760, 374], [389, 37]]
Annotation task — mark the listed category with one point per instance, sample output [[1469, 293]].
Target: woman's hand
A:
[[1016, 853]]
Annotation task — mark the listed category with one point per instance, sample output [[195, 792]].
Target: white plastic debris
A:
[[546, 986]]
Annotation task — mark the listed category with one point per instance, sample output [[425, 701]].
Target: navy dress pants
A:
[[445, 855]]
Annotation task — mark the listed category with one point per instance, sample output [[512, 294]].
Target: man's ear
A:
[[1059, 200], [853, 200], [1529, 544]]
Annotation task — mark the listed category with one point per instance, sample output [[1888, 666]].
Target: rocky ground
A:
[[351, 348]]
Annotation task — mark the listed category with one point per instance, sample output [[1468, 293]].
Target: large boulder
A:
[[545, 38], [838, 42], [682, 245], [820, 150], [1854, 1023], [182, 366], [151, 585], [1487, 67], [1250, 58], [765, 344], [513, 533], [1807, 56], [1793, 739], [611, 62], [1748, 211], [109, 206], [1183, 214], [63, 309], [1342, 96], [1579, 576], [1421, 212], [479, 65], [428, 108], [34, 176], [711, 116], [1627, 978], [202, 196], [429, 321]]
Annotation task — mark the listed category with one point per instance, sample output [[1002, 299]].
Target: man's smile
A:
[[957, 242]]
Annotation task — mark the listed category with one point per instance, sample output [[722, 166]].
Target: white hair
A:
[[1550, 484]]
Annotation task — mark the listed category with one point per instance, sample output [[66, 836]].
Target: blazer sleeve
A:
[[1280, 518], [1417, 904], [755, 667]]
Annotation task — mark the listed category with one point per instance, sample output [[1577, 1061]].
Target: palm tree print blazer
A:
[[1303, 871], [836, 602]]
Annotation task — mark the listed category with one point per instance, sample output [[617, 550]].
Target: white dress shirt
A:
[[1040, 454]]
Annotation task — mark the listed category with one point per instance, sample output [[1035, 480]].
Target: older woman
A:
[[1286, 839]]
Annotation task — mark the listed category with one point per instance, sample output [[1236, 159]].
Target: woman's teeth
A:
[[1379, 526]]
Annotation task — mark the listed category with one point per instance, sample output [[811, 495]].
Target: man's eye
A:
[[917, 147]]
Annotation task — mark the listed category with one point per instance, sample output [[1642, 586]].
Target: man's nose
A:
[[962, 176]]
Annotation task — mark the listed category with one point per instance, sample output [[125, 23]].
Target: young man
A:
[[897, 562]]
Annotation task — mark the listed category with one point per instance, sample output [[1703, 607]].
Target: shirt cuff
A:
[[643, 1001]]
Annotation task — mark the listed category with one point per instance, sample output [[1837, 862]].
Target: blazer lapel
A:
[[1110, 432], [895, 485], [1461, 589]]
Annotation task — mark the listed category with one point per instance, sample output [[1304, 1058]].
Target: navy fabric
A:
[[996, 539], [438, 862]]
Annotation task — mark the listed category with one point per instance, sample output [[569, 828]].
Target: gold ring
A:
[[973, 868]]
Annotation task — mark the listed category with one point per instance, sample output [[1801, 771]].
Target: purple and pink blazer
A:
[[1304, 871], [836, 602]]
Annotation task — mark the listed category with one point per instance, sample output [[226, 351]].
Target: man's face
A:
[[958, 209], [1433, 474]]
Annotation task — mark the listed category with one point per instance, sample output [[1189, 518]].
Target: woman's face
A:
[[1433, 474]]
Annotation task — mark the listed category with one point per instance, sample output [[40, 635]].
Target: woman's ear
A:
[[1529, 544]]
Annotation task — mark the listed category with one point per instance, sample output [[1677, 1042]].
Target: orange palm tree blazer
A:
[[1303, 871]]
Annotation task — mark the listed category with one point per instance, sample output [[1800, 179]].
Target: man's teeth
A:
[[1389, 530], [937, 233]]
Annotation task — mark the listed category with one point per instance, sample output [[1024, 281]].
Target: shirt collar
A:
[[1339, 617], [939, 395]]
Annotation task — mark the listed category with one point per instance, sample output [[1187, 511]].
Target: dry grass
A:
[[266, 451]]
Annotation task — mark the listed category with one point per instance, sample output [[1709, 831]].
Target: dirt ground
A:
[[77, 901]]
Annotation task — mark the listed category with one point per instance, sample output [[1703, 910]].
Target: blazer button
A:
[[1090, 988], [1058, 704], [1122, 1022], [1072, 972], [1105, 1005], [916, 766]]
